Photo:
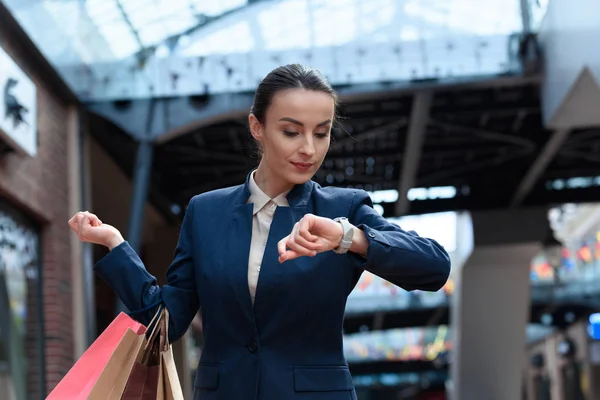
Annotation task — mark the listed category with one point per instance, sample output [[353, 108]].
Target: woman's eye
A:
[[289, 133], [321, 135]]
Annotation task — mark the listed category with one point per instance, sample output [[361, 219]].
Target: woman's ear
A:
[[255, 127]]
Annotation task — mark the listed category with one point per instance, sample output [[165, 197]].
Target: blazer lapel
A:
[[238, 249]]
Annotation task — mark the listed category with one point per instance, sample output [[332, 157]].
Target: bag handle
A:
[[157, 328], [151, 351], [154, 318], [160, 330], [164, 333]]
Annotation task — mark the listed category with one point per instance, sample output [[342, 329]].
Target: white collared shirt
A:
[[262, 216]]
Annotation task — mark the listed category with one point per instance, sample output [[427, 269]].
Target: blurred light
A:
[[595, 318], [384, 196], [441, 227], [577, 182], [594, 326], [432, 193], [175, 209], [566, 348], [546, 319], [162, 51], [184, 41]]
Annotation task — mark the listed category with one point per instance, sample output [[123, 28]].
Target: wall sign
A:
[[18, 103]]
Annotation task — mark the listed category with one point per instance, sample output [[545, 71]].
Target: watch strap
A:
[[347, 236]]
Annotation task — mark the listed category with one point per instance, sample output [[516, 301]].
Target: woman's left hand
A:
[[310, 236]]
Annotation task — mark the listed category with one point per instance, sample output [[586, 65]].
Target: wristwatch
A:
[[346, 237]]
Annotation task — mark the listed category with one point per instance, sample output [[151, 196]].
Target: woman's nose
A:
[[308, 148]]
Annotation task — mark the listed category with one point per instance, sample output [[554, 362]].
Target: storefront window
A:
[[21, 367]]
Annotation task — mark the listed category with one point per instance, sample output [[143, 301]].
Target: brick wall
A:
[[38, 187]]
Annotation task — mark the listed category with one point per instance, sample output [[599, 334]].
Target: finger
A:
[[94, 220], [74, 222], [313, 246], [288, 255], [281, 246], [304, 230], [84, 223], [294, 252], [296, 247], [75, 218]]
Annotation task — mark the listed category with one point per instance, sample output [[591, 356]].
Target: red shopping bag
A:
[[102, 371]]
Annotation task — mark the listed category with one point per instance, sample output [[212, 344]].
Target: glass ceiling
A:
[[124, 27], [88, 33], [321, 23], [132, 25]]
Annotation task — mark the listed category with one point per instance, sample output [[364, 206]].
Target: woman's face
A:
[[296, 133]]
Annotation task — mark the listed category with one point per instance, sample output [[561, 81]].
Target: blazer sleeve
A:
[[400, 257], [125, 273]]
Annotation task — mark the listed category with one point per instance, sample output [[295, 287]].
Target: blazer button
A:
[[252, 347], [372, 234]]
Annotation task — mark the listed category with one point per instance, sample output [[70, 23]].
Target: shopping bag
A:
[[154, 375], [172, 385], [97, 373]]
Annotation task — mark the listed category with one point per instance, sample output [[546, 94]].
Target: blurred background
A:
[[473, 122]]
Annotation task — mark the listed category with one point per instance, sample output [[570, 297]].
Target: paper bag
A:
[[172, 384], [96, 375], [154, 375]]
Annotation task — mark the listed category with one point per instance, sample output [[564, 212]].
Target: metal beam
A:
[[486, 134], [525, 7], [412, 150], [539, 166], [129, 24], [372, 133], [142, 171], [178, 116]]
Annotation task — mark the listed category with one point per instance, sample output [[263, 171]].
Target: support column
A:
[[490, 308], [82, 275], [141, 180], [413, 147], [142, 171]]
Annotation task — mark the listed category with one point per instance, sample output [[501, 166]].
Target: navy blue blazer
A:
[[288, 345]]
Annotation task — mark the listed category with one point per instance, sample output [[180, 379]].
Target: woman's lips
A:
[[302, 166]]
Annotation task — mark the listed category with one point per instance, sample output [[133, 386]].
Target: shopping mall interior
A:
[[473, 123]]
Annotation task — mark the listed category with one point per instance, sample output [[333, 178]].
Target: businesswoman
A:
[[272, 261]]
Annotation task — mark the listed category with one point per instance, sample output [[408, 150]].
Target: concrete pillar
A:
[[490, 308], [569, 42], [84, 329]]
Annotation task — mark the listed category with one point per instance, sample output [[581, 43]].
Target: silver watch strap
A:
[[347, 236]]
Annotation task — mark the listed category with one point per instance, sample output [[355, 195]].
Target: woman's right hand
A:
[[90, 229]]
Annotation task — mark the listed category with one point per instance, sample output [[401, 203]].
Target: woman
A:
[[271, 262]]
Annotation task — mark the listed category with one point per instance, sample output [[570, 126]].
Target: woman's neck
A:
[[271, 184]]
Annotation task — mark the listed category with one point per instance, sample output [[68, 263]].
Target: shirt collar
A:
[[260, 198]]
